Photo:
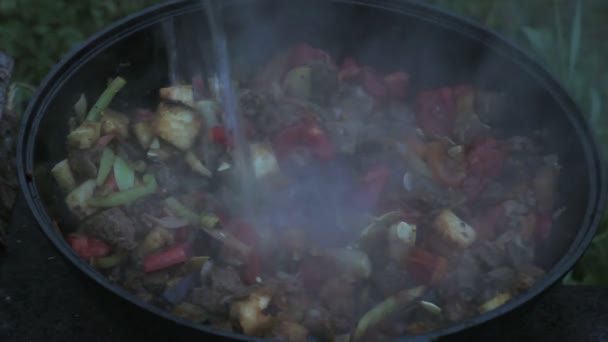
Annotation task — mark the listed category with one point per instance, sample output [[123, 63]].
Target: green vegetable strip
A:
[[181, 211], [126, 196], [105, 98], [381, 311], [209, 220], [105, 165], [124, 174], [108, 262]]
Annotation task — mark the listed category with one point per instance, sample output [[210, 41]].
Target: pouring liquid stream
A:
[[230, 106]]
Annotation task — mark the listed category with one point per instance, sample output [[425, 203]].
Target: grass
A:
[[567, 36]]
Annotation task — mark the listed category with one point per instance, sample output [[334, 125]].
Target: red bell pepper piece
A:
[[435, 111], [87, 247], [110, 182], [171, 257], [302, 54], [425, 267], [349, 69], [371, 186], [397, 84], [305, 134], [373, 84], [104, 140], [486, 158], [219, 135], [246, 233]]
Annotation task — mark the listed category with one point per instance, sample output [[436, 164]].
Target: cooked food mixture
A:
[[374, 211]]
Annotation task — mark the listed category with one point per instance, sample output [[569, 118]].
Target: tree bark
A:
[[7, 125]]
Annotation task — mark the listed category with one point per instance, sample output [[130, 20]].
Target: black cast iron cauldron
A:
[[436, 47]]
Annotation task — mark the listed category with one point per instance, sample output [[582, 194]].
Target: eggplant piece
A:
[[84, 162], [113, 226], [178, 292], [177, 124]]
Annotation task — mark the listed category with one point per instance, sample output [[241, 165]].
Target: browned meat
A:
[[319, 323], [226, 280], [211, 300], [337, 296], [390, 280], [290, 331], [114, 227], [84, 162]]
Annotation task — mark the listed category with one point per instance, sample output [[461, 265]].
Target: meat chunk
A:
[[84, 162], [290, 331], [114, 227], [337, 296], [226, 280]]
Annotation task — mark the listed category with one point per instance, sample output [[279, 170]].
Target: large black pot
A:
[[436, 47]]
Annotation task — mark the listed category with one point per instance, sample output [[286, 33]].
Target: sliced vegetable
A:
[[126, 196], [449, 171], [63, 175], [383, 310], [303, 54], [105, 165], [144, 133], [190, 312], [219, 136], [178, 292], [209, 220], [80, 107], [495, 302], [177, 124], [88, 247], [263, 160], [305, 134], [453, 229], [156, 239], [401, 238], [85, 135], [249, 315], [105, 98], [78, 199], [168, 258], [430, 307], [124, 174], [297, 82], [180, 210], [113, 122], [196, 165], [425, 267], [108, 261], [169, 222], [179, 93]]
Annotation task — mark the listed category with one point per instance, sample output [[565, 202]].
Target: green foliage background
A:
[[567, 36]]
